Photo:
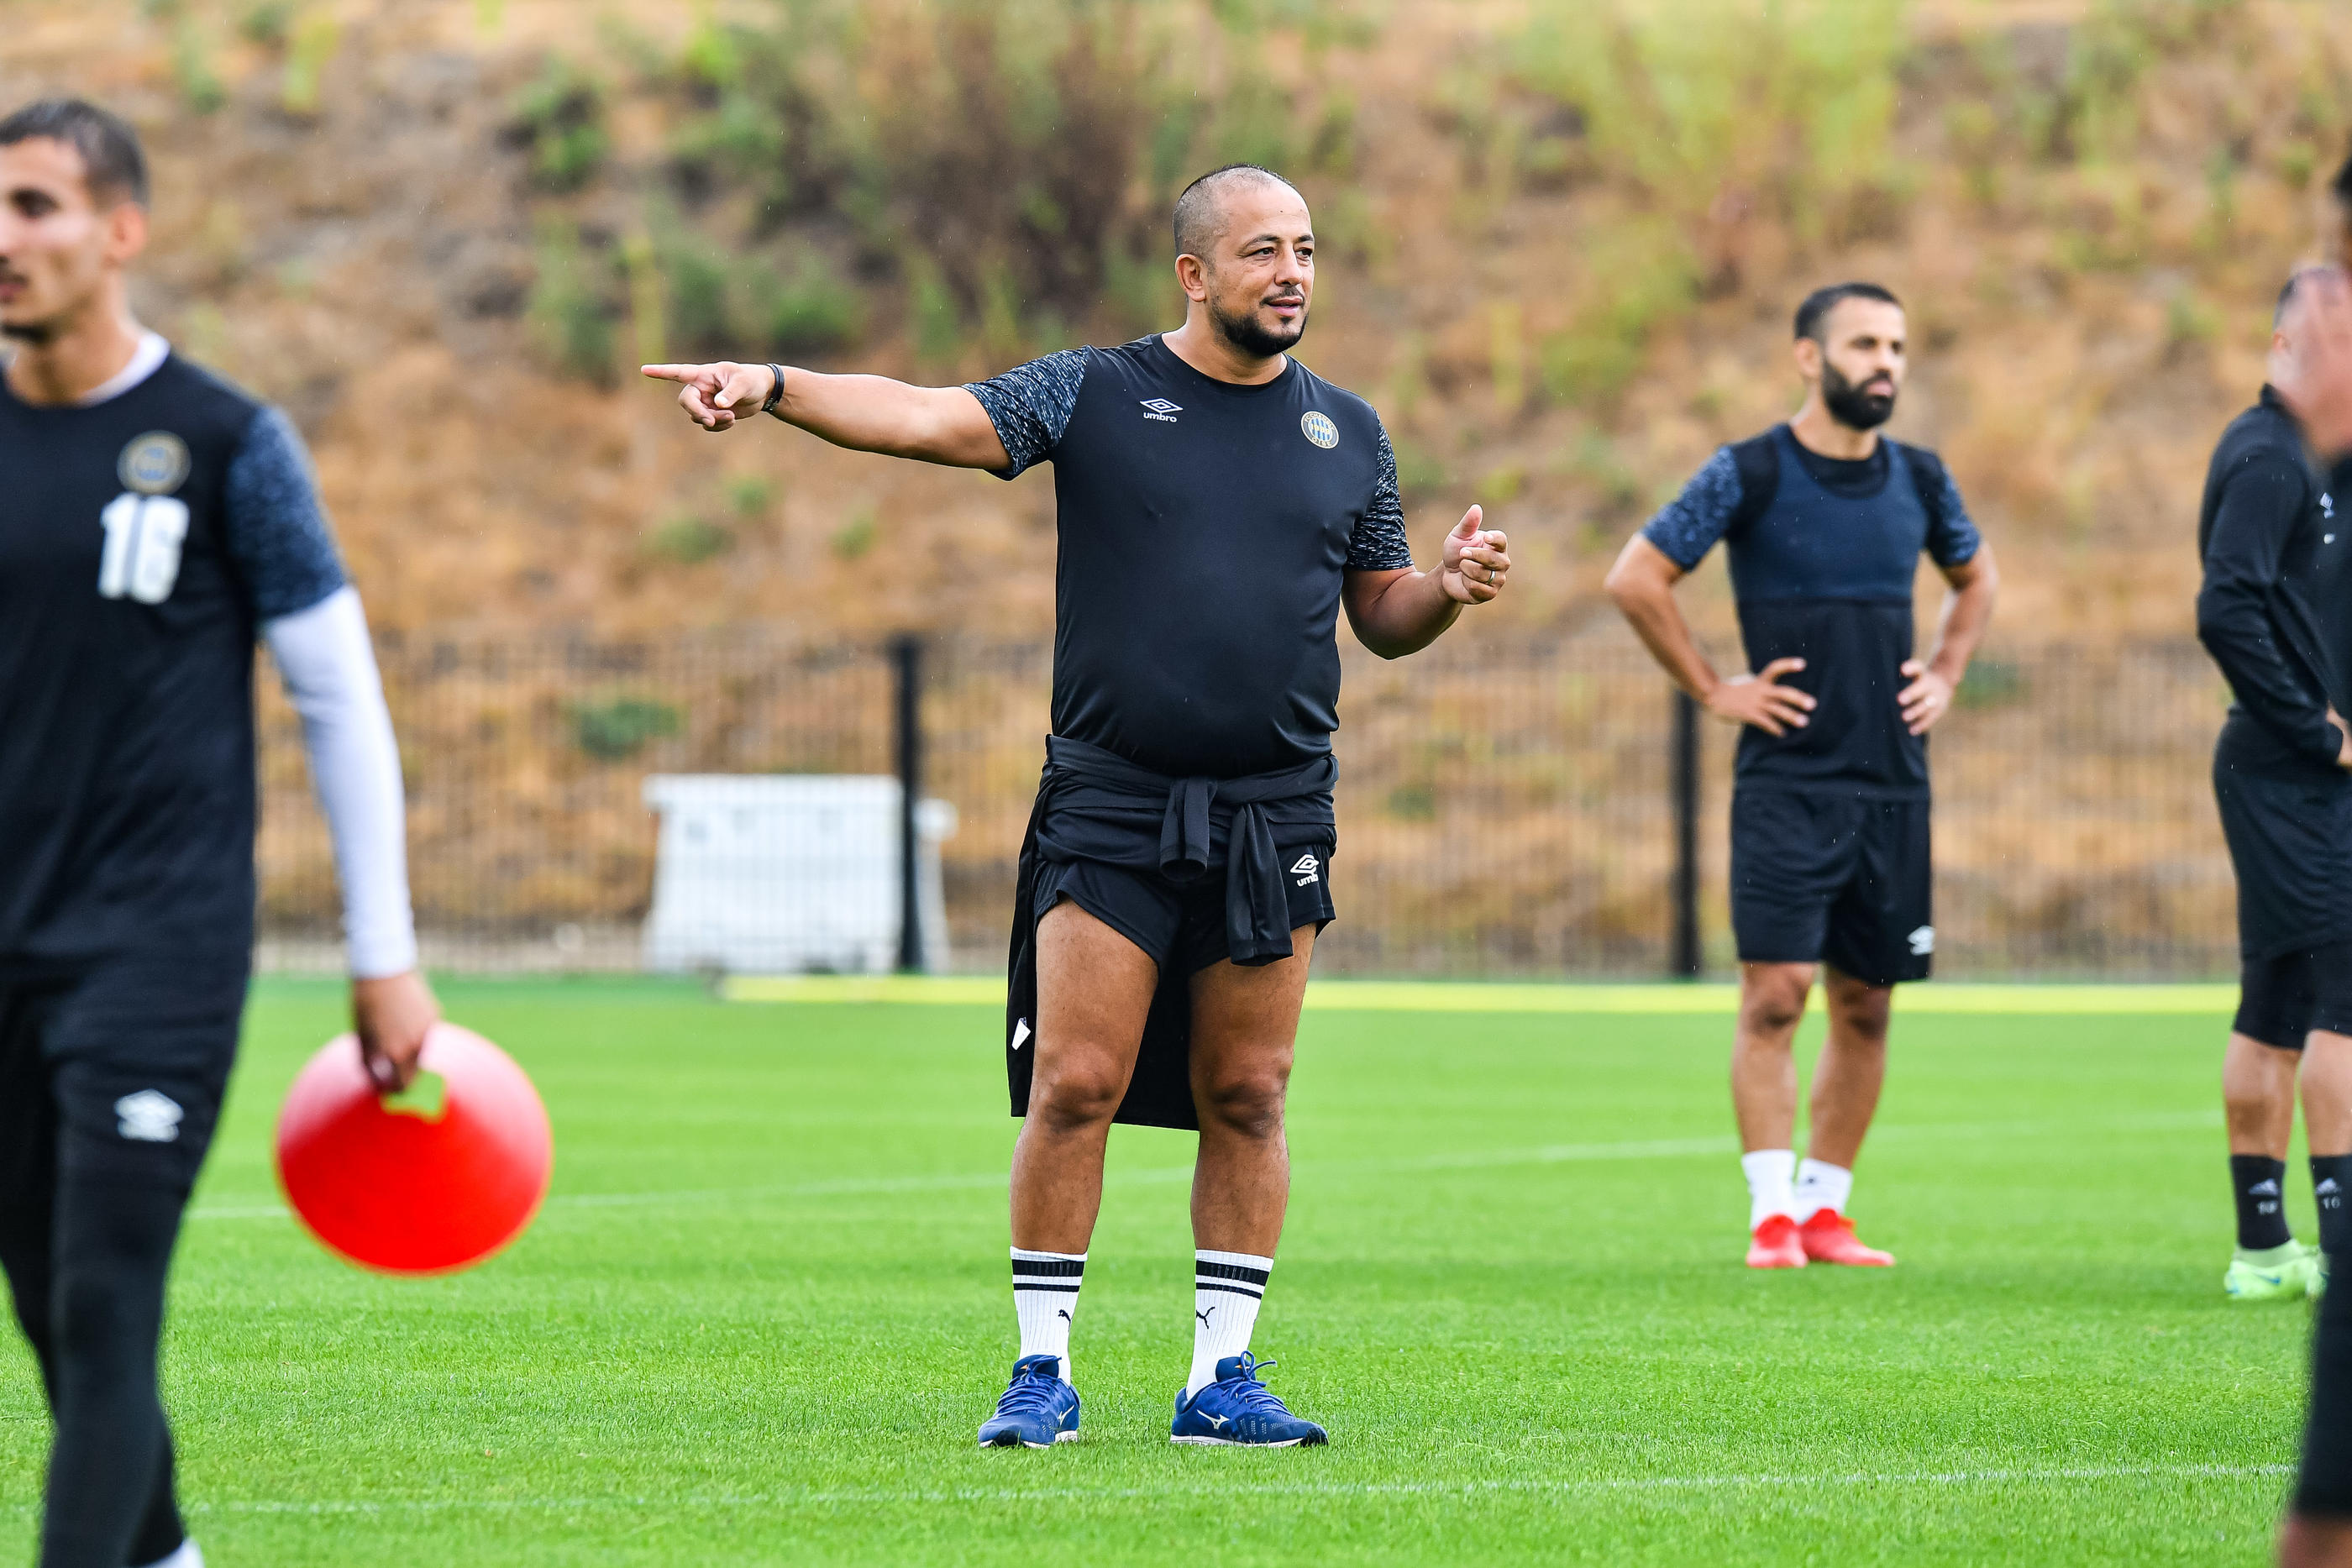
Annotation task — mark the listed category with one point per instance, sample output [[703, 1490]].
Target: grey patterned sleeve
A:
[[1687, 527], [1952, 536], [1030, 405], [1377, 541], [277, 532]]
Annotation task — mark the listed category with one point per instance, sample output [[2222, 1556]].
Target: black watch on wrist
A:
[[776, 391]]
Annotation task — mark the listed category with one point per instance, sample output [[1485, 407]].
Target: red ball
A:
[[412, 1187]]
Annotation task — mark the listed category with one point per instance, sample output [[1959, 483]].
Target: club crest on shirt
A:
[[155, 464], [1318, 428]]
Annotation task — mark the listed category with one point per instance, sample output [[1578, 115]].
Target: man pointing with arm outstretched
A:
[[1218, 504]]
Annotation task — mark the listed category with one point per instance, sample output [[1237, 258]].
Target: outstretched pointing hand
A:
[[1476, 562], [716, 395]]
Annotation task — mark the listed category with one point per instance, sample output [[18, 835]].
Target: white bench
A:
[[787, 873]]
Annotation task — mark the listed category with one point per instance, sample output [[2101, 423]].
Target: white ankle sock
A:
[[1226, 1290], [1046, 1300], [1771, 1186], [1820, 1185], [186, 1556]]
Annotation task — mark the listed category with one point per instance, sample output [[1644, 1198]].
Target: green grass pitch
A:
[[768, 1304]]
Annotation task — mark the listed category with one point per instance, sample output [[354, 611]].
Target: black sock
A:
[[2331, 1182], [2258, 1182]]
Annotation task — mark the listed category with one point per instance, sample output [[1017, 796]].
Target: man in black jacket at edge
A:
[[2268, 537], [1218, 504], [2318, 388]]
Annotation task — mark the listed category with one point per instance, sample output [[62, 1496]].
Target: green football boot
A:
[[2274, 1274]]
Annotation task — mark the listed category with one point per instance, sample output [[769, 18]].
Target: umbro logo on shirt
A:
[[1161, 409], [1307, 868]]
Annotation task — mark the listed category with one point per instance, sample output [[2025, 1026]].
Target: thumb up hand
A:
[[1476, 560]]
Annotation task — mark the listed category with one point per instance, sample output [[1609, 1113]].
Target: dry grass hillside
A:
[[1562, 240]]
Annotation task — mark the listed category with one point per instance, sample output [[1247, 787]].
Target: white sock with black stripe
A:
[[1226, 1290], [1044, 1299]]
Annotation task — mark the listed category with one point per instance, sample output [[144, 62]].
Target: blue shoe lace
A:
[[1030, 1394], [1251, 1393]]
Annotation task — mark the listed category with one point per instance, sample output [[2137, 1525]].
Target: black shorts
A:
[[2283, 998], [1825, 876], [1181, 924], [114, 1071], [2290, 833]]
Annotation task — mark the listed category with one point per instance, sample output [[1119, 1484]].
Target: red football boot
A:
[[1776, 1245], [1828, 1237]]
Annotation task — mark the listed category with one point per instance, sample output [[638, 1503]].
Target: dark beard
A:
[[1244, 334], [32, 334], [1850, 406]]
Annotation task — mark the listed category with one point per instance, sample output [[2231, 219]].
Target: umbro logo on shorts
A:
[[1020, 1034], [1161, 409], [1923, 941], [149, 1117], [1307, 868]]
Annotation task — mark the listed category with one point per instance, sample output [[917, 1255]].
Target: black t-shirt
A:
[[2334, 577], [143, 540], [2271, 606], [1205, 529]]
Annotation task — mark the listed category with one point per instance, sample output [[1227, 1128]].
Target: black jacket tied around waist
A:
[[1094, 805]]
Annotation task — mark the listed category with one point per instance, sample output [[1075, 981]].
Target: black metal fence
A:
[[1507, 805]]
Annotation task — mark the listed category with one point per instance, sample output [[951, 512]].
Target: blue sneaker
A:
[[1038, 1409], [1239, 1410]]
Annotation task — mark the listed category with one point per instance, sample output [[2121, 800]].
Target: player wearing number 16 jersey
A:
[[153, 522]]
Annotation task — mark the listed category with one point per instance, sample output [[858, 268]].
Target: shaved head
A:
[[1200, 209], [2290, 297]]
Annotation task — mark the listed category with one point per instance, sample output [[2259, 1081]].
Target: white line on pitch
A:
[[1545, 1155], [1226, 1488]]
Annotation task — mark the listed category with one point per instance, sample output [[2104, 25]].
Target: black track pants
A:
[[92, 1305], [110, 1080]]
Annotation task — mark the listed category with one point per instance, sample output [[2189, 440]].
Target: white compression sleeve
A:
[[328, 667]]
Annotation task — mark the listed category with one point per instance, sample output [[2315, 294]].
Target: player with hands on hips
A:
[[1824, 521]]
